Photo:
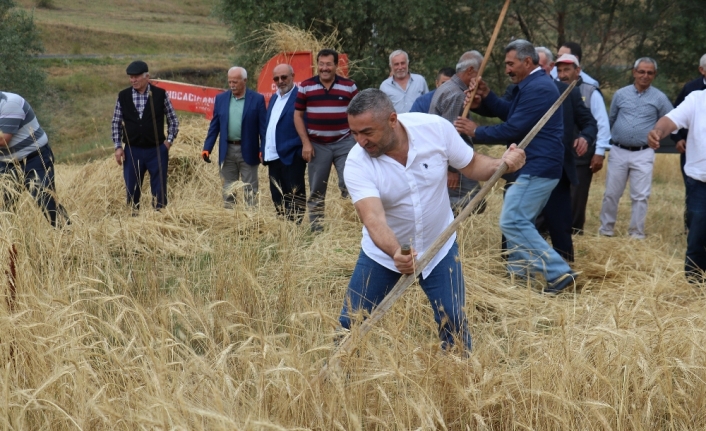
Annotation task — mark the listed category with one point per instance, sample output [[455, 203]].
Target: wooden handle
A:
[[406, 249]]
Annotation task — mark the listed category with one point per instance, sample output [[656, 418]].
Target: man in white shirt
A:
[[281, 148], [403, 87], [396, 176], [690, 115]]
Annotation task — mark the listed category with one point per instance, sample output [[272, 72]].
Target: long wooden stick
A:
[[347, 345], [486, 57]]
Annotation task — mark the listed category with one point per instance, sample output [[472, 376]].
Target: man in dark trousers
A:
[[679, 137], [281, 148], [25, 157], [239, 123], [580, 130], [138, 122]]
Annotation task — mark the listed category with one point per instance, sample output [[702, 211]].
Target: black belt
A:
[[234, 142], [625, 147]]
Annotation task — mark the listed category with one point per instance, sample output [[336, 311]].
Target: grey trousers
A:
[[319, 171], [233, 169], [637, 167]]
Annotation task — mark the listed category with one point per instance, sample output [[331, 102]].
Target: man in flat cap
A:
[[138, 122]]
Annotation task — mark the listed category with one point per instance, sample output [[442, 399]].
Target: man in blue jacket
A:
[[239, 122], [281, 148], [532, 185]]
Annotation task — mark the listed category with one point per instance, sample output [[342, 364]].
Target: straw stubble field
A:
[[204, 318]]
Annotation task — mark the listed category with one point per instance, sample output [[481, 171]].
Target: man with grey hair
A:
[[633, 113], [532, 185], [396, 176], [239, 123], [679, 137], [448, 102], [403, 87]]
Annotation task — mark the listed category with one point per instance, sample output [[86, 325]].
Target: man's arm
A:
[[664, 127], [534, 103], [116, 127], [5, 139], [372, 214], [172, 121], [482, 167], [614, 109], [307, 148]]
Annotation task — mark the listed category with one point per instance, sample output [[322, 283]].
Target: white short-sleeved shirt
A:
[[414, 197], [690, 114]]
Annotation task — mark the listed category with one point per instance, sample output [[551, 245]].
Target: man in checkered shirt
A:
[[138, 122]]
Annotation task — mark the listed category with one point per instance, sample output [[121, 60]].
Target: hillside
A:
[[88, 44]]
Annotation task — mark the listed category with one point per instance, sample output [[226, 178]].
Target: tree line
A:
[[613, 33]]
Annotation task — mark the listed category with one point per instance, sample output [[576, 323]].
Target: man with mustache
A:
[[532, 185], [403, 87], [322, 124], [633, 112], [568, 70]]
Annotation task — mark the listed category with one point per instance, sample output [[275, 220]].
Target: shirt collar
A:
[[285, 95], [232, 96], [146, 93]]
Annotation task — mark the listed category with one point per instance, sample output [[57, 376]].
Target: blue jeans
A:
[[444, 287], [529, 252], [696, 238], [138, 161]]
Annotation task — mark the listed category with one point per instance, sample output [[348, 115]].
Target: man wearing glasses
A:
[[322, 124], [633, 113], [281, 148], [239, 120]]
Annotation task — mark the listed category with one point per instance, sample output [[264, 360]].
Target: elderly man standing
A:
[[690, 115], [448, 102], [397, 176], [403, 87], [569, 70], [322, 124], [138, 122], [25, 156], [574, 49], [281, 148], [531, 98], [423, 103], [239, 123], [633, 112]]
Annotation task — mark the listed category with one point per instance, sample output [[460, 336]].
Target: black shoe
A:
[[560, 283]]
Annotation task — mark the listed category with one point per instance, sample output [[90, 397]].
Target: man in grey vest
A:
[[448, 102], [568, 70]]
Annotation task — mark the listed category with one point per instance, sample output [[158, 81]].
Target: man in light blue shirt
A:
[[402, 87]]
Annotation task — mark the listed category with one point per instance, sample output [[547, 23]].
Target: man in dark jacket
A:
[[138, 122], [281, 148], [533, 184], [239, 123]]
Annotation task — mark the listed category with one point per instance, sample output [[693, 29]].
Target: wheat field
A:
[[202, 318]]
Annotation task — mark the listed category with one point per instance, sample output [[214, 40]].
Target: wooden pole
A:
[[348, 344], [486, 57]]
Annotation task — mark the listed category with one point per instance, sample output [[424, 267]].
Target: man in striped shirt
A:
[[322, 124], [25, 156]]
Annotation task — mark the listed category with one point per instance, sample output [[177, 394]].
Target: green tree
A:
[[434, 34], [19, 41]]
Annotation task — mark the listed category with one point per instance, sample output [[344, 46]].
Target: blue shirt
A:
[[633, 114], [531, 99], [423, 103]]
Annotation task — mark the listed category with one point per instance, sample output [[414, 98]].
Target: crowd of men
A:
[[410, 171]]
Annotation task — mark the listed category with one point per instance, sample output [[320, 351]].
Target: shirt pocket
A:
[[433, 169]]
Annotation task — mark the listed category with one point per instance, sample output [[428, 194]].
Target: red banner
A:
[[190, 98]]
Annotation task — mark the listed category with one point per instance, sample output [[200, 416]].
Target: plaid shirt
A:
[[140, 101]]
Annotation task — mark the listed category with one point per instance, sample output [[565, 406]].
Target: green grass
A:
[[180, 40]]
